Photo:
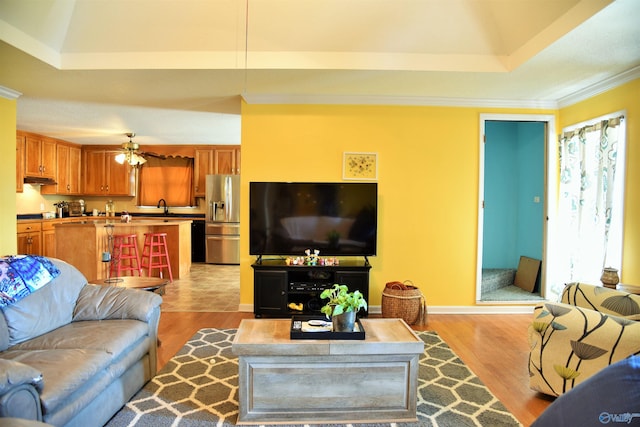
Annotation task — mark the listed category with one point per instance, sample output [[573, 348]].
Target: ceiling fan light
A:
[[129, 155], [136, 159]]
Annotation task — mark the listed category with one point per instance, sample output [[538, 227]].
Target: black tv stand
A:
[[281, 290]]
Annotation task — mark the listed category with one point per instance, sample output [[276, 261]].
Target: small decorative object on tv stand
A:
[[311, 259]]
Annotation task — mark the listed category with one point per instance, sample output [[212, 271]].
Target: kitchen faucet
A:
[[166, 209]]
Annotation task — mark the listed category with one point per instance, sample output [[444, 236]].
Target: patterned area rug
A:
[[199, 386]]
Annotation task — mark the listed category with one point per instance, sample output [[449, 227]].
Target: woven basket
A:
[[404, 301]]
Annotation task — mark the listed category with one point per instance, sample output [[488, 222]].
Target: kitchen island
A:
[[82, 243]]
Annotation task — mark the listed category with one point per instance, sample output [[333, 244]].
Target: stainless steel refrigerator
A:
[[223, 219]]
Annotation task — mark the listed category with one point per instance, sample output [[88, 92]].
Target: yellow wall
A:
[[8, 242], [427, 182], [625, 97]]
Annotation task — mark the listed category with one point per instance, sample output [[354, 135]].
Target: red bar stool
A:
[[126, 258], [155, 253]]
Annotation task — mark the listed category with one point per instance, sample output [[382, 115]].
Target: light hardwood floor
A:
[[493, 346]]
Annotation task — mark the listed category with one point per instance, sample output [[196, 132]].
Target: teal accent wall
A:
[[513, 177]]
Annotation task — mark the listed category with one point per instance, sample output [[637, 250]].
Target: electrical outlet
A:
[[536, 199], [41, 207]]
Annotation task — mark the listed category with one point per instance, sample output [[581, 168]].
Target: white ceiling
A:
[[174, 72]]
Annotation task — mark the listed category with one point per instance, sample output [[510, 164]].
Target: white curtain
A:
[[589, 174]]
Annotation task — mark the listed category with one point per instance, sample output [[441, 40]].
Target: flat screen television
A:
[[338, 219]]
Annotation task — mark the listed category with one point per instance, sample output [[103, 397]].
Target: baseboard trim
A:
[[485, 308]]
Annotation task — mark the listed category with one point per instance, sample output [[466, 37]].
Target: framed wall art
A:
[[360, 166]]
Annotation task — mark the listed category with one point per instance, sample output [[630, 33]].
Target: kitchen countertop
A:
[[135, 217], [118, 223]]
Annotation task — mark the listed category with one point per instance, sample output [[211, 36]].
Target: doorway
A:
[[516, 185]]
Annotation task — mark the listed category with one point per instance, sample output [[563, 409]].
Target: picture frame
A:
[[359, 166]]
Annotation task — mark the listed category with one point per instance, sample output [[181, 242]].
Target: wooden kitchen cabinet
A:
[[19, 163], [49, 238], [103, 176], [29, 238], [39, 156], [227, 161], [202, 166], [68, 171], [218, 160]]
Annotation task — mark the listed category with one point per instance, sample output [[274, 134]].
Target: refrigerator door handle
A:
[[228, 187]]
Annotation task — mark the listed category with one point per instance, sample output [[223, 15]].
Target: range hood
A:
[[38, 180]]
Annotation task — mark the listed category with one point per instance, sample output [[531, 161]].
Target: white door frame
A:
[[550, 196]]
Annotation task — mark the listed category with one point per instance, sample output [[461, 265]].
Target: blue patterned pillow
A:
[[20, 275]]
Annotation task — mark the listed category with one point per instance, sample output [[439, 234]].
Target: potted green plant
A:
[[342, 306]]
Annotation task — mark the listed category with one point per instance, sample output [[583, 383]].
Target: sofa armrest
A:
[[599, 298], [20, 387], [570, 344], [97, 302], [13, 373]]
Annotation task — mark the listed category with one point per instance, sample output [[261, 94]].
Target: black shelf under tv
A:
[[276, 285]]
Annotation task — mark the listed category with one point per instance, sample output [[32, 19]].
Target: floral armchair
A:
[[591, 328]]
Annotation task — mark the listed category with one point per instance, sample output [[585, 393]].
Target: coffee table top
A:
[[133, 282], [263, 337]]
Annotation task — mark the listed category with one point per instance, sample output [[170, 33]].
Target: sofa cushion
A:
[[97, 302], [610, 396], [112, 337], [4, 333], [569, 344], [98, 351], [47, 308], [60, 380]]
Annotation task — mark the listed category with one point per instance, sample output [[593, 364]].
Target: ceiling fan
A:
[[130, 152]]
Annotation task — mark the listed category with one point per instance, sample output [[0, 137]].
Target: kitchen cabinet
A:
[[202, 166], [49, 238], [103, 176], [68, 171], [39, 156], [19, 163], [227, 161], [29, 238], [218, 160]]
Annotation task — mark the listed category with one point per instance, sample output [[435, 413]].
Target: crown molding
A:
[[581, 95], [396, 100], [600, 87], [5, 92]]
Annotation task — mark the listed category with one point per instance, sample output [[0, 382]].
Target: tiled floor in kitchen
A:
[[206, 288]]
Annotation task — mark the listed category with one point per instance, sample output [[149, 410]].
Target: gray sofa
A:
[[72, 354]]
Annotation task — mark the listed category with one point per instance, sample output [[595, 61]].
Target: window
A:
[[167, 178], [590, 209]]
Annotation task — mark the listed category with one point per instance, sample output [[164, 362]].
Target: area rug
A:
[[199, 386]]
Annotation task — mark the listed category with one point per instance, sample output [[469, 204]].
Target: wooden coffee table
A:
[[154, 284], [337, 381]]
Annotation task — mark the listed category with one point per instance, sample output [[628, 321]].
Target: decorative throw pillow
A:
[[20, 275]]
